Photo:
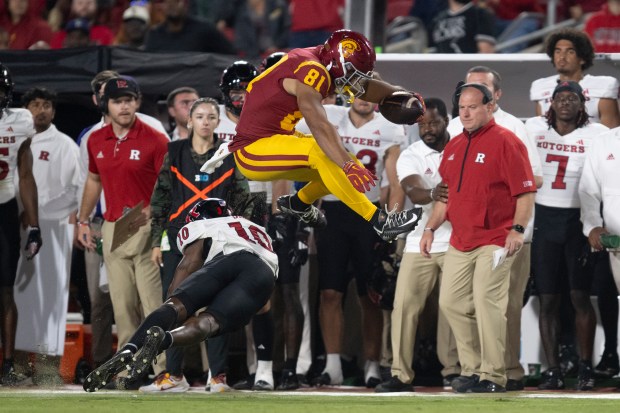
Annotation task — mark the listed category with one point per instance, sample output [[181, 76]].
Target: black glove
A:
[[34, 242], [277, 228], [299, 253]]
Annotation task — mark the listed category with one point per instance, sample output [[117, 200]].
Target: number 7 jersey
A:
[[562, 159], [228, 235]]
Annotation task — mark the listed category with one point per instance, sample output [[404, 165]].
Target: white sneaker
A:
[[218, 384], [166, 382]]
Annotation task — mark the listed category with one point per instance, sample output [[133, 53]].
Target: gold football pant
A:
[[301, 159]]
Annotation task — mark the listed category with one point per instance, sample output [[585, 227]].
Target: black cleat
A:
[[262, 385], [608, 367], [245, 384], [391, 224], [585, 377], [487, 386], [143, 359], [552, 379], [311, 215], [393, 385], [103, 374], [288, 380], [514, 385]]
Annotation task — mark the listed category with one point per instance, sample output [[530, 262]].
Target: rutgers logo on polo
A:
[[134, 155], [44, 156], [480, 158]]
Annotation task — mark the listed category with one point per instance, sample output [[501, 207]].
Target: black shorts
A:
[[347, 241], [233, 287], [558, 251], [10, 242]]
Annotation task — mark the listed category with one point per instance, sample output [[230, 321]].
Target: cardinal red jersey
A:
[[270, 110]]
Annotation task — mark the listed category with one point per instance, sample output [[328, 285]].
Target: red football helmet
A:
[[349, 57]]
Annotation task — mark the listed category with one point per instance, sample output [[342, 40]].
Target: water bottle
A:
[[610, 241]]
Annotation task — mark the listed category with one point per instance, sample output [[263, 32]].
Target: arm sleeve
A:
[[590, 194]]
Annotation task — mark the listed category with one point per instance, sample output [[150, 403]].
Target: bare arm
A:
[[92, 191], [376, 90], [190, 263], [608, 112], [486, 47], [415, 189], [437, 218], [523, 213], [325, 134], [396, 195], [27, 185]]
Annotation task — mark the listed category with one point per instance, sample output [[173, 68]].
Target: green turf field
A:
[[133, 402]]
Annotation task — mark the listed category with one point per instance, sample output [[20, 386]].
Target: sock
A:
[[333, 367], [297, 204], [165, 317], [262, 330], [371, 369], [168, 340], [264, 371], [290, 364], [130, 347]]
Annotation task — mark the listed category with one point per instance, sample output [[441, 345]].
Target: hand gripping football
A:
[[402, 107]]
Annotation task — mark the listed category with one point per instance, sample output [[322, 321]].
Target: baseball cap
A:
[[78, 24], [121, 86], [137, 12], [569, 86]]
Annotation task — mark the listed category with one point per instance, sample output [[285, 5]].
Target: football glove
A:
[[361, 178], [34, 242]]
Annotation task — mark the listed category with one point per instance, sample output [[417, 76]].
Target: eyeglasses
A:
[[568, 99]]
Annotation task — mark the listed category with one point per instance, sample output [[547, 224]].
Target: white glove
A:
[[216, 160]]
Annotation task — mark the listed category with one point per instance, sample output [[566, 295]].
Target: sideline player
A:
[[18, 128], [228, 266], [266, 147]]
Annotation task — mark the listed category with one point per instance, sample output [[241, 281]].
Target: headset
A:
[[486, 98]]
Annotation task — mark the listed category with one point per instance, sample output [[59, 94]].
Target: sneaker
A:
[[463, 384], [324, 379], [487, 386], [262, 385], [311, 215], [245, 384], [552, 379], [288, 380], [514, 385], [98, 378], [146, 356], [373, 382], [447, 380], [13, 378], [585, 377], [218, 384], [391, 224], [569, 360], [393, 385], [608, 367], [166, 383]]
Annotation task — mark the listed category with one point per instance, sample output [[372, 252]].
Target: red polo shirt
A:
[[485, 172], [128, 169]]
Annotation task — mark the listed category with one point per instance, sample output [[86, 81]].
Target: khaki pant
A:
[[135, 283], [474, 298], [416, 279], [519, 275]]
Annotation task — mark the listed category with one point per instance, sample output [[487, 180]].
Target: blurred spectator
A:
[[463, 28], [77, 34], [179, 101], [25, 29], [507, 11], [183, 33], [577, 9], [603, 27], [260, 26], [85, 9], [313, 22], [426, 10], [133, 30], [4, 39]]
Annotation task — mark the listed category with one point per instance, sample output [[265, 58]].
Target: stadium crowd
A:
[[442, 299]]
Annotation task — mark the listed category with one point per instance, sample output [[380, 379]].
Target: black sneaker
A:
[[103, 374], [11, 378], [447, 380], [323, 379], [311, 215], [391, 224], [487, 386], [144, 358], [463, 384], [585, 377], [393, 385], [552, 379], [288, 380], [608, 367], [514, 385], [262, 385]]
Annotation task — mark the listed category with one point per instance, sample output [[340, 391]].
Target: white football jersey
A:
[[594, 88], [562, 160], [16, 126], [368, 143], [228, 235], [335, 114], [57, 172]]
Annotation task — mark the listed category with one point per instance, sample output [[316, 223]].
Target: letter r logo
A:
[[480, 158]]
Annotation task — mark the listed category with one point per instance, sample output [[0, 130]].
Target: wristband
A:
[[429, 229], [83, 223], [432, 194], [519, 228]]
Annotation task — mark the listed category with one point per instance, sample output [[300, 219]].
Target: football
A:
[[402, 107]]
